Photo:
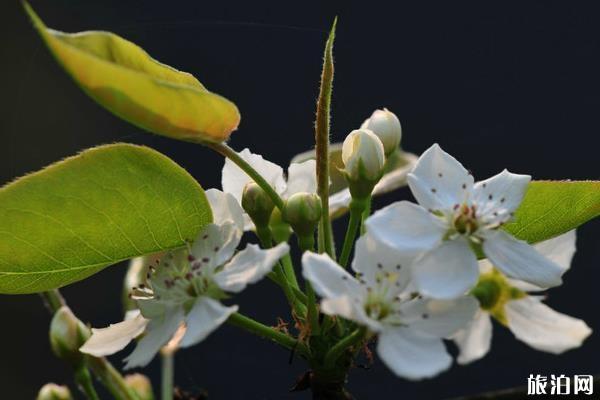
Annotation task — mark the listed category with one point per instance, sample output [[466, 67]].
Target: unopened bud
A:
[[257, 204], [67, 335], [386, 126], [52, 391], [141, 385], [364, 160], [303, 212]]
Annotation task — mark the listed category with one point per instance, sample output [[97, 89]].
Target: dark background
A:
[[497, 84]]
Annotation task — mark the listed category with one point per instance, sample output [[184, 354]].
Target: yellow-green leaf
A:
[[122, 77], [107, 204], [551, 208]]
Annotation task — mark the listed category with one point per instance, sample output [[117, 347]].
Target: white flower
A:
[[386, 125], [410, 328], [185, 287], [363, 155], [301, 178], [531, 321], [456, 215]]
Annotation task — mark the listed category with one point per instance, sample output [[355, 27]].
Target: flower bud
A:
[[257, 204], [67, 335], [141, 385], [386, 126], [364, 160], [303, 212], [52, 391]]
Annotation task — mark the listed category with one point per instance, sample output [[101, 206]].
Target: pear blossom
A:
[[508, 301], [410, 328], [386, 125], [363, 155], [456, 217], [183, 290]]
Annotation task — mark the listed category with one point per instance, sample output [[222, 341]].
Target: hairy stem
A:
[[322, 145], [255, 327], [225, 150]]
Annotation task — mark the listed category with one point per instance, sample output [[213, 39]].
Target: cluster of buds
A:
[[365, 150]]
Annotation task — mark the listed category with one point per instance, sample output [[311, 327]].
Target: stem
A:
[[84, 380], [357, 207], [365, 214], [313, 313], [322, 145], [340, 347], [228, 152], [167, 373], [255, 327], [53, 300], [110, 378], [288, 268]]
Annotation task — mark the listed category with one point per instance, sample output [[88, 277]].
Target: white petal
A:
[[406, 227], [437, 180], [448, 271], [327, 277], [350, 308], [302, 178], [560, 249], [216, 244], [372, 257], [543, 328], [205, 316], [475, 340], [412, 355], [499, 195], [519, 260], [106, 341], [225, 207], [158, 332], [234, 180], [396, 178], [249, 266], [439, 318]]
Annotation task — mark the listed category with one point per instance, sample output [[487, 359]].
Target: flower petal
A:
[[225, 208], [439, 181], [233, 179], [350, 308], [439, 318], [373, 257], [249, 266], [447, 271], [106, 341], [216, 244], [474, 341], [327, 277], [205, 316], [497, 197], [519, 260], [302, 178], [412, 355], [406, 227], [543, 328], [158, 332]]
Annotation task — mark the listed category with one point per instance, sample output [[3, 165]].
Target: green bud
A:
[[280, 230], [52, 391], [257, 204], [386, 125], [67, 335], [303, 212], [364, 161], [141, 385]]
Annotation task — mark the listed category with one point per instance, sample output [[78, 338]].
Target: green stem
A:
[[84, 380], [228, 152], [340, 347], [288, 268], [313, 314], [110, 378], [357, 207], [53, 300], [255, 327], [322, 145], [167, 374], [365, 214]]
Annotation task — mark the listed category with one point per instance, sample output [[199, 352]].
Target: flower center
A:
[[464, 219], [493, 291]]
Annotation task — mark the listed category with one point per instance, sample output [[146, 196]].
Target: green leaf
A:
[[551, 208], [107, 204], [122, 77]]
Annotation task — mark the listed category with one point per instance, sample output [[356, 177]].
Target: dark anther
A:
[[205, 259], [425, 316], [490, 197], [433, 190], [216, 249]]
